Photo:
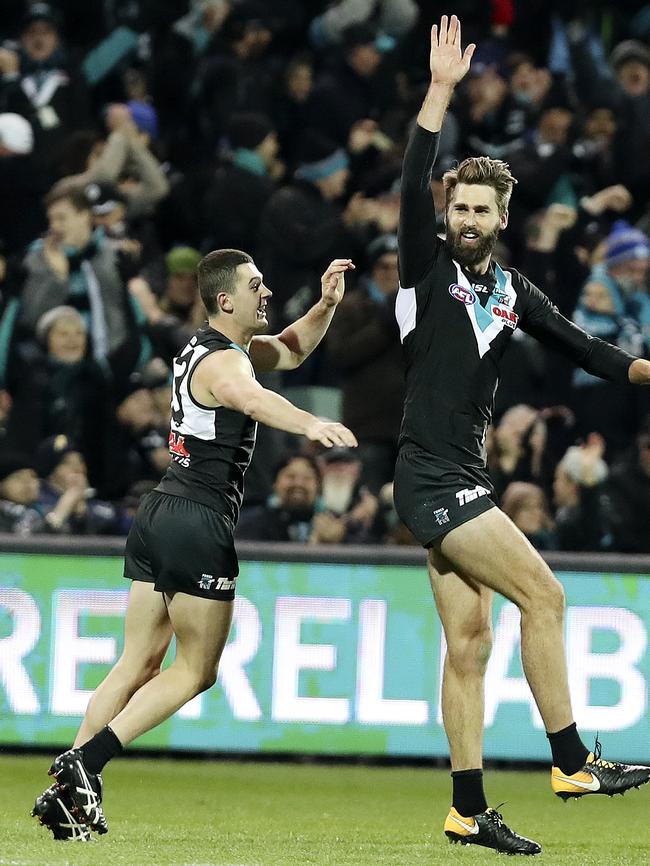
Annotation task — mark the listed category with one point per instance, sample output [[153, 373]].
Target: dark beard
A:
[[466, 256]]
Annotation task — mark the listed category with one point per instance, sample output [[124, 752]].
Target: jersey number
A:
[[181, 369]]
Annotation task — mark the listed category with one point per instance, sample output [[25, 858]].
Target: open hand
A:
[[330, 434], [448, 63]]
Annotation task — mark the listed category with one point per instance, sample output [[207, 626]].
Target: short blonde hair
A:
[[481, 170]]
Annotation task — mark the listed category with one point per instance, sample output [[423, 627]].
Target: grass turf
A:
[[191, 813]]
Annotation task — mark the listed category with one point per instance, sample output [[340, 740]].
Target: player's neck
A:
[[480, 268], [231, 330]]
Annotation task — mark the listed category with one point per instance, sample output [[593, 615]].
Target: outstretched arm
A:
[[288, 350], [544, 321], [226, 377], [417, 225]]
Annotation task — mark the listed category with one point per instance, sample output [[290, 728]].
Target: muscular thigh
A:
[[464, 605], [201, 627], [147, 628], [490, 550]]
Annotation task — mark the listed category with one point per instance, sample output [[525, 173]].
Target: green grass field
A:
[[173, 813]]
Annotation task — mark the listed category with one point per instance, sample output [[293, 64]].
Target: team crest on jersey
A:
[[177, 449], [508, 317], [464, 295]]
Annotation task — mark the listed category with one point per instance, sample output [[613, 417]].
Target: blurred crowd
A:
[[136, 136]]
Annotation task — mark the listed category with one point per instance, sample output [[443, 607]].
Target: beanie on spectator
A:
[[105, 197], [11, 462], [41, 12], [16, 134], [629, 50], [319, 157], [144, 116], [381, 245], [182, 260], [247, 130], [51, 452], [51, 317], [625, 243]]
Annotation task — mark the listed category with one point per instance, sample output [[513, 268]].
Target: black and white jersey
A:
[[210, 448], [455, 327]]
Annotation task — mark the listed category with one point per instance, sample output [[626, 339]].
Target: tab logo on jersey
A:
[[177, 449], [509, 317], [469, 494], [462, 294]]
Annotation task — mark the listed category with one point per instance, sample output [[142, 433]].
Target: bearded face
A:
[[469, 247], [473, 224]]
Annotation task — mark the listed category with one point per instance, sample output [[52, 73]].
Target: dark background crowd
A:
[[137, 135]]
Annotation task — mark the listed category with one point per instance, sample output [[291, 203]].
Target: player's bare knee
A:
[[544, 597], [469, 652], [203, 680]]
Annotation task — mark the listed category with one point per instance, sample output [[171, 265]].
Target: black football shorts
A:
[[433, 496], [182, 546]]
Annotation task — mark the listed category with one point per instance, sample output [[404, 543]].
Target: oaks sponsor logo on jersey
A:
[[177, 449], [508, 317], [462, 294]]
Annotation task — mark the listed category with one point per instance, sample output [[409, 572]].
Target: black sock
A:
[[569, 752], [99, 750], [468, 798]]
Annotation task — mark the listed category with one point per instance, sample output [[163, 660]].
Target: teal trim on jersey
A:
[[239, 348], [7, 325], [484, 317]]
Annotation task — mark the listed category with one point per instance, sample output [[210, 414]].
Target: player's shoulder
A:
[[520, 283]]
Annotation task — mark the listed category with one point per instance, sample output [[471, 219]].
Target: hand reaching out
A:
[[333, 281]]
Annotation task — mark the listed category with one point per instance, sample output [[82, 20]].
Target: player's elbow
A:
[[252, 406]]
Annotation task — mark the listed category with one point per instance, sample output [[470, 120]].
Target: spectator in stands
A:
[[364, 345], [19, 512], [123, 160], [302, 227], [242, 183], [628, 91], [75, 265], [289, 514], [314, 503], [496, 109], [294, 105], [66, 498], [614, 306], [39, 82], [61, 390], [363, 87], [350, 509], [580, 517], [541, 162], [172, 318], [517, 450], [394, 18], [525, 504], [139, 438], [22, 185], [628, 495], [236, 75]]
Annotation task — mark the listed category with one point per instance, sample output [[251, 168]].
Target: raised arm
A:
[[226, 377], [417, 225], [288, 350]]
